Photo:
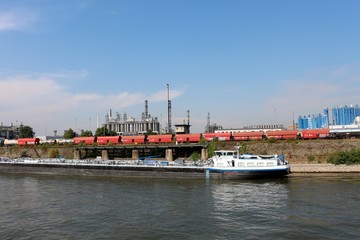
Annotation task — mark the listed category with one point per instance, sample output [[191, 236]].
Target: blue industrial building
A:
[[342, 115]]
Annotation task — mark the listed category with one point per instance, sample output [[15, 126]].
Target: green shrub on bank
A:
[[24, 154], [195, 156], [345, 157], [53, 153]]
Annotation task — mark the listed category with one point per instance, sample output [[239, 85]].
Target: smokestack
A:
[[188, 117], [146, 110]]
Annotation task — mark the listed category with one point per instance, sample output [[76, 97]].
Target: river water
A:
[[58, 207]]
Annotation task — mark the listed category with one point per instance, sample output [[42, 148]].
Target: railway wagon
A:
[[161, 138], [28, 141], [245, 136], [86, 140], [219, 136], [315, 133], [282, 134], [188, 138], [103, 140], [136, 139]]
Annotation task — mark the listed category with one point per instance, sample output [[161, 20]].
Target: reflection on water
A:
[[54, 207], [249, 206]]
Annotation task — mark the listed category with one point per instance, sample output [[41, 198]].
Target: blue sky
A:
[[63, 64]]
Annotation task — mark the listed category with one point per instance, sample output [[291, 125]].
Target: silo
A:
[[300, 123], [346, 116], [308, 122], [334, 116], [341, 115], [305, 122], [325, 119], [319, 121], [357, 111], [351, 114], [313, 120]]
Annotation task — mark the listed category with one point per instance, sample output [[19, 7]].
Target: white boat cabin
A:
[[232, 159]]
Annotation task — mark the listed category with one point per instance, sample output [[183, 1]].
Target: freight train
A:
[[324, 133]]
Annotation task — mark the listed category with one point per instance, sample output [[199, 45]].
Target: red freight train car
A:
[[241, 136], [282, 134], [315, 133], [103, 140], [86, 140], [188, 138], [138, 139], [28, 141], [220, 136], [161, 138]]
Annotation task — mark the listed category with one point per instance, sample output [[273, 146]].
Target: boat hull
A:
[[240, 173]]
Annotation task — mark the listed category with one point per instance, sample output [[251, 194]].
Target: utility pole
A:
[[169, 109]]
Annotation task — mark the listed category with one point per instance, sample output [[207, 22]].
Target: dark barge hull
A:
[[137, 171], [231, 174]]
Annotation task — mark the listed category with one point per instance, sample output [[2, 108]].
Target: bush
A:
[[271, 140], [24, 154], [195, 156], [345, 157], [311, 158], [211, 147], [54, 153]]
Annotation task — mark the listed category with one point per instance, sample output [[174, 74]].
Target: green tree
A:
[[26, 132], [68, 134], [103, 131], [86, 133]]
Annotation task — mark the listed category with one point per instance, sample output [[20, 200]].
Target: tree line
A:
[[28, 132], [103, 131]]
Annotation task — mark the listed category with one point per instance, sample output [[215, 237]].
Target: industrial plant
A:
[[338, 116], [126, 125]]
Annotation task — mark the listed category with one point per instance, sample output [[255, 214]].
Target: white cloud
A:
[[43, 102], [162, 95], [17, 19]]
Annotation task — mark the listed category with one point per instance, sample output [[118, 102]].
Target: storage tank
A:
[[300, 123], [346, 116], [334, 117], [325, 118], [325, 121], [357, 111], [351, 114], [341, 115], [319, 121]]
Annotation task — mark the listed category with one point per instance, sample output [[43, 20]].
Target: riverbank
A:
[[324, 168]]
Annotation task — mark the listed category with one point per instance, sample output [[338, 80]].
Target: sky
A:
[[64, 64]]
